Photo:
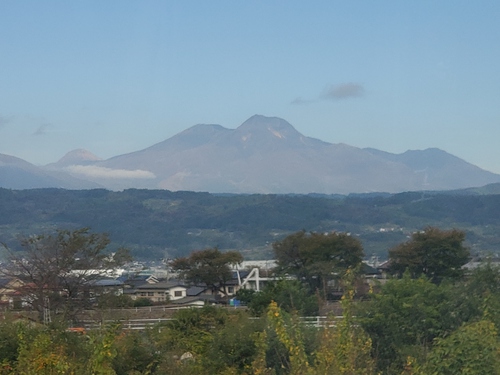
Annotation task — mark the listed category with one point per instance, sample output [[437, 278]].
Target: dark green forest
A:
[[157, 224]]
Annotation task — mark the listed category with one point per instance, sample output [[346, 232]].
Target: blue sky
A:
[[118, 76]]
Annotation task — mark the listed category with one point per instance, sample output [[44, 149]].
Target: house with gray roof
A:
[[162, 291]]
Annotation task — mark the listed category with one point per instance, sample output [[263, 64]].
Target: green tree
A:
[[39, 355], [434, 253], [316, 257], [344, 347], [9, 342], [210, 267], [135, 353], [290, 295], [289, 334], [478, 295], [405, 317], [234, 345], [473, 349], [111, 300], [192, 330], [340, 347], [56, 269]]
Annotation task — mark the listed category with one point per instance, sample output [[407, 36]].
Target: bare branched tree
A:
[[56, 270]]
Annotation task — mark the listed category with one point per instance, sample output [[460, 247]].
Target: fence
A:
[[143, 324]]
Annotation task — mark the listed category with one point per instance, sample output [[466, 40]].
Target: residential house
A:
[[162, 291], [10, 297]]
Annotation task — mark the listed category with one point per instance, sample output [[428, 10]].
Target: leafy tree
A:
[[210, 267], [142, 302], [192, 329], [9, 342], [344, 347], [434, 253], [39, 355], [56, 269], [288, 331], [135, 354], [341, 347], [103, 352], [234, 345], [316, 257], [473, 349], [478, 295], [405, 317], [111, 300], [290, 295]]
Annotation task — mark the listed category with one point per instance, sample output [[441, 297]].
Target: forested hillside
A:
[[157, 223]]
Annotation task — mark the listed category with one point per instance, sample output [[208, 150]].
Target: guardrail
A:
[[320, 321], [135, 324], [143, 324]]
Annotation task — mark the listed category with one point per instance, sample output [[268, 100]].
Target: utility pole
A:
[[46, 311]]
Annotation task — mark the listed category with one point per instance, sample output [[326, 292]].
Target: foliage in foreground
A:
[[210, 340], [416, 324], [411, 326]]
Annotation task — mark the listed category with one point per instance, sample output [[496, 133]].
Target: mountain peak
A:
[[268, 155], [262, 126], [260, 121], [195, 136], [12, 160], [78, 156], [203, 131]]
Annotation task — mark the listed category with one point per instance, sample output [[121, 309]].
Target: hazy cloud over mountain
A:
[[4, 120], [301, 101], [93, 171], [41, 130], [343, 91], [334, 92]]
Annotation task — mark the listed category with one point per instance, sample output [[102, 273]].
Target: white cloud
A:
[[103, 172]]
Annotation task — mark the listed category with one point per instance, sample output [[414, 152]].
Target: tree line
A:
[[163, 224]]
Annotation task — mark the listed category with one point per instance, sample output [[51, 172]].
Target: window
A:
[[178, 293], [150, 294], [230, 289]]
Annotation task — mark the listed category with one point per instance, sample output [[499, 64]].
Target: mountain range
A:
[[263, 155]]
